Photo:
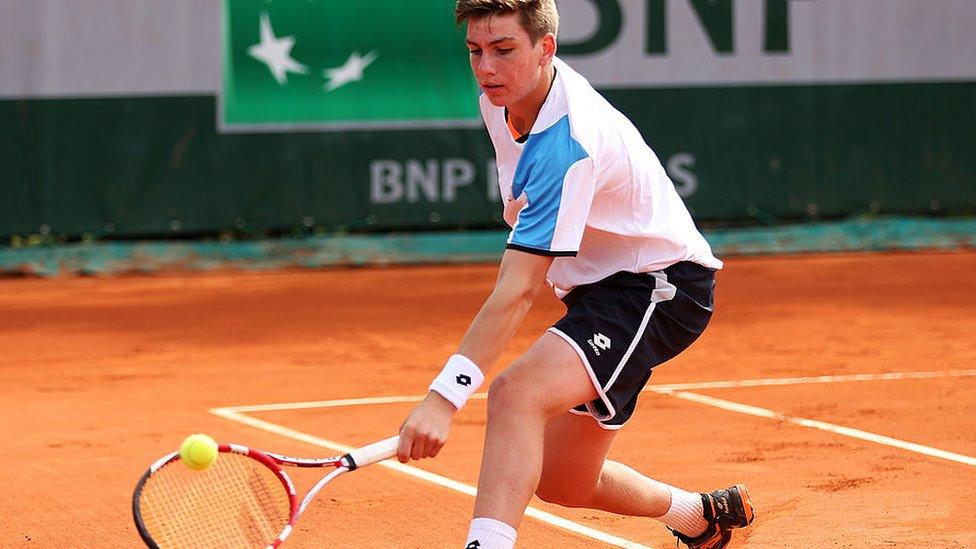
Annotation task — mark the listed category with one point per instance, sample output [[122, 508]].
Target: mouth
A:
[[492, 88]]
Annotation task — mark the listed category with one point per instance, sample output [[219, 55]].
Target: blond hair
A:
[[537, 17]]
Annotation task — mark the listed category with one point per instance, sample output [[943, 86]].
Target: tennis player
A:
[[593, 215]]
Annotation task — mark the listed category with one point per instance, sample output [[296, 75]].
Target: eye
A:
[[474, 52], [505, 51]]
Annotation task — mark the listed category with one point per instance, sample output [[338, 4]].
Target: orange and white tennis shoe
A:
[[725, 510]]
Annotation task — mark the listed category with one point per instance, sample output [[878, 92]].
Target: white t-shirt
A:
[[586, 188]]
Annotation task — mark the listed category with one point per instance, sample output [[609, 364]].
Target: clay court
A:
[[840, 388]]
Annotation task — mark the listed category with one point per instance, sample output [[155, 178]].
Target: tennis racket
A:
[[244, 499]]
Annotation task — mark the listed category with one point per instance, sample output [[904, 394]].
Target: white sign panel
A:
[[742, 42]]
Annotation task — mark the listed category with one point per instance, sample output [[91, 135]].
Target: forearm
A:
[[495, 325], [520, 276], [425, 430]]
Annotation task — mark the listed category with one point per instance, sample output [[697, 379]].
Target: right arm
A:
[[520, 277]]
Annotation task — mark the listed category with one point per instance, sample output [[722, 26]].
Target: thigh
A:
[[575, 449], [549, 376]]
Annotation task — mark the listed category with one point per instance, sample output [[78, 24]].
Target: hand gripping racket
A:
[[244, 499]]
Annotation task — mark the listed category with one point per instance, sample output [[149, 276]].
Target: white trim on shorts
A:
[[591, 373], [602, 425], [665, 293]]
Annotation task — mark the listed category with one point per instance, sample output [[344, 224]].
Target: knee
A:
[[504, 395], [514, 394], [563, 494]]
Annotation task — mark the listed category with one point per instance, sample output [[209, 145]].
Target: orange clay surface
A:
[[100, 376]]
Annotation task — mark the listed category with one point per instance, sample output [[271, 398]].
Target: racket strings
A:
[[236, 502]]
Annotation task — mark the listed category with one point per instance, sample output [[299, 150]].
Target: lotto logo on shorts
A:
[[599, 342], [473, 545]]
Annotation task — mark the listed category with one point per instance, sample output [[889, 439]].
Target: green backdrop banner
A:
[[183, 118], [159, 167], [333, 64]]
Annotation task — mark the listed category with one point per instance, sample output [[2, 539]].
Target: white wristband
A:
[[459, 379]]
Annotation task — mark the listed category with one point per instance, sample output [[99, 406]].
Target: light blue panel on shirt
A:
[[540, 173]]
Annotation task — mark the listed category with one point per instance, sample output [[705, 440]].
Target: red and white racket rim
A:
[[256, 455]]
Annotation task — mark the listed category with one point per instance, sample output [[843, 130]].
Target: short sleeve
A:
[[556, 179]]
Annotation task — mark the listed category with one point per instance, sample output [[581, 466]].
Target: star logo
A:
[[350, 71], [276, 52]]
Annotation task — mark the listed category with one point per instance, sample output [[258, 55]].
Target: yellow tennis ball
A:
[[198, 451]]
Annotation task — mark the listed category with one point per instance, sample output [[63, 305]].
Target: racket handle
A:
[[377, 451]]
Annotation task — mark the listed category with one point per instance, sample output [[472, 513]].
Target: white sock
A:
[[686, 514], [489, 533]]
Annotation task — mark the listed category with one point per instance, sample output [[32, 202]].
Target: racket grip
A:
[[377, 451]]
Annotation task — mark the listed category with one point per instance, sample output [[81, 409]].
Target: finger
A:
[[433, 446], [403, 448], [437, 448], [417, 452], [430, 448]]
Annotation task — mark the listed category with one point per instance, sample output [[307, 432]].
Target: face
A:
[[507, 65]]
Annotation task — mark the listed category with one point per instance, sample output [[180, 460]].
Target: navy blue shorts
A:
[[626, 324]]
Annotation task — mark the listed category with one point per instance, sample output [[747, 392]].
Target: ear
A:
[[548, 48]]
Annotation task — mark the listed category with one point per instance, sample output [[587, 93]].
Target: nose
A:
[[483, 66]]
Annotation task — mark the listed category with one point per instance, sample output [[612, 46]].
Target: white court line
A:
[[329, 403], [233, 414], [808, 380], [650, 388], [675, 389], [823, 426]]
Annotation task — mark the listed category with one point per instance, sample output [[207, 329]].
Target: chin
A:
[[503, 99], [497, 101]]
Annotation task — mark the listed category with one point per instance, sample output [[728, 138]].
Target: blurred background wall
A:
[[161, 118]]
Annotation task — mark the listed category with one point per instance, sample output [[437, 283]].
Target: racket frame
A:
[[273, 462]]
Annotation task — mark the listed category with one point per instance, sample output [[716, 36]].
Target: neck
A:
[[523, 114]]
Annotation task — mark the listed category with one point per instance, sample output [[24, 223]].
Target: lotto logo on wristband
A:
[[459, 379]]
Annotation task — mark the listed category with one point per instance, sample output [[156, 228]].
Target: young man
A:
[[594, 214]]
